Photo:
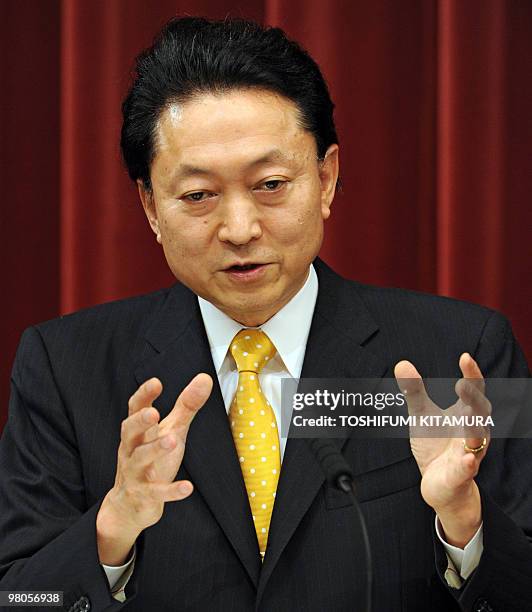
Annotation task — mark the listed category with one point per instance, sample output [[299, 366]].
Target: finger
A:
[[138, 428], [474, 442], [190, 400], [468, 466], [174, 491], [463, 467], [473, 403], [471, 462], [471, 395], [145, 395], [411, 384], [470, 370], [145, 456]]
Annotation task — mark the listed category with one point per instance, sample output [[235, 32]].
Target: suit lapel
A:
[[341, 323], [180, 351]]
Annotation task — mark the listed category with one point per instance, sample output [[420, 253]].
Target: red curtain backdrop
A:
[[433, 110]]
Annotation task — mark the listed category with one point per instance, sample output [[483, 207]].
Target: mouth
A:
[[243, 267], [245, 272]]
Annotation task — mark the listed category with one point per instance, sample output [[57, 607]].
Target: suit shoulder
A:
[[126, 313], [434, 331], [404, 306], [411, 298]]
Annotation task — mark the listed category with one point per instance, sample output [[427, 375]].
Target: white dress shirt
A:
[[288, 329]]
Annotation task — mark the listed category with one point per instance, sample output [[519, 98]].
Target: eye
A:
[[196, 196], [273, 185]]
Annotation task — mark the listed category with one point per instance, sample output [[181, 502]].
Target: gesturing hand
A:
[[447, 468], [149, 457]]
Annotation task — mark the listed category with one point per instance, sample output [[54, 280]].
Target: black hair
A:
[[194, 55]]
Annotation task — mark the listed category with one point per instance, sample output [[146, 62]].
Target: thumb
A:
[[190, 400], [411, 384]]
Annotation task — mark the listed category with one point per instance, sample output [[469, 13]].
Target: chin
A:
[[251, 315]]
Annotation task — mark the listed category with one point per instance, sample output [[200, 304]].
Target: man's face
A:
[[238, 199]]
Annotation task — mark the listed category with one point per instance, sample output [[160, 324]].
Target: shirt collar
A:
[[288, 329]]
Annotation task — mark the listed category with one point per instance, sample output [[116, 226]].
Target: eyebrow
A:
[[275, 155]]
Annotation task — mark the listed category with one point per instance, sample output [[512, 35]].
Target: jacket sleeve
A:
[[47, 530], [503, 578]]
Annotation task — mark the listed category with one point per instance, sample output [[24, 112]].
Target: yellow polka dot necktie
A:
[[254, 428]]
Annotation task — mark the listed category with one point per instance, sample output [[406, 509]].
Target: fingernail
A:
[[204, 384], [184, 488]]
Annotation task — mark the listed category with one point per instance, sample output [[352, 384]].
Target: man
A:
[[138, 459]]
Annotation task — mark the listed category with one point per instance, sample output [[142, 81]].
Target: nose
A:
[[240, 221]]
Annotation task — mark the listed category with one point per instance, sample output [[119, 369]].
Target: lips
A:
[[247, 272], [243, 267]]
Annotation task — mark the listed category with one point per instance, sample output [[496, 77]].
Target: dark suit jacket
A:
[[70, 385]]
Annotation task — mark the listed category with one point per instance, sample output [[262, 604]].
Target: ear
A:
[[148, 203], [328, 169]]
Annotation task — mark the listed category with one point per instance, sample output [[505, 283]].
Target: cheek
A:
[[185, 238], [306, 215], [300, 226]]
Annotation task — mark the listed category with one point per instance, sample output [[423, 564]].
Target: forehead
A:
[[232, 127]]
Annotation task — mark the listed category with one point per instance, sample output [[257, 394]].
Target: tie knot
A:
[[251, 350]]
